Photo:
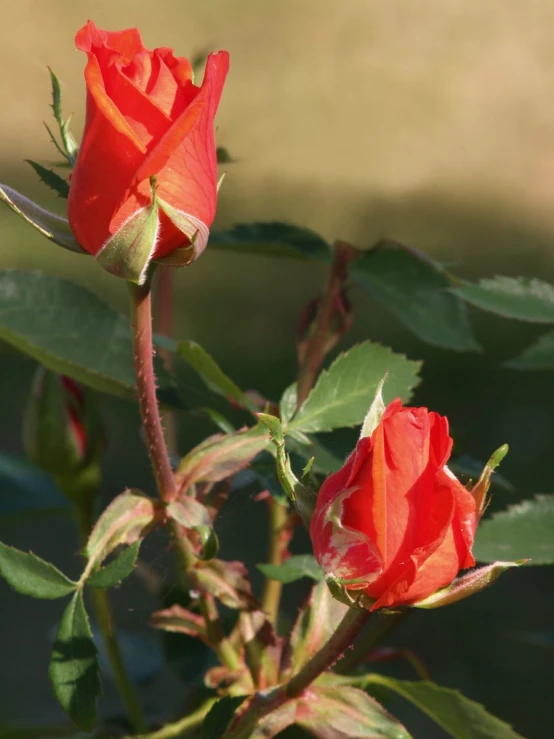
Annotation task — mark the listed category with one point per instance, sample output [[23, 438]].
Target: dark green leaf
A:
[[211, 374], [71, 331], [220, 716], [51, 179], [74, 665], [52, 226], [460, 717], [344, 392], [294, 568], [523, 298], [31, 575], [537, 356], [272, 239], [26, 490], [522, 531], [117, 570], [414, 289]]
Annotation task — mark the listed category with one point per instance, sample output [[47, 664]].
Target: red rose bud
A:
[[145, 119], [394, 523], [62, 432]]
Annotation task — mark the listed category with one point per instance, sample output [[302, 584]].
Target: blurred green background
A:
[[431, 123]]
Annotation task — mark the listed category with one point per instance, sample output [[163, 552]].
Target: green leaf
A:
[[126, 520], [51, 179], [523, 298], [49, 224], [294, 568], [460, 717], [223, 156], [272, 239], [287, 404], [343, 393], [74, 665], [220, 716], [117, 570], [129, 251], [73, 332], [522, 531], [211, 374], [415, 290], [537, 356], [221, 456], [31, 575]]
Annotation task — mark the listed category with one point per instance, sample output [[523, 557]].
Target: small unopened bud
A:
[[61, 430]]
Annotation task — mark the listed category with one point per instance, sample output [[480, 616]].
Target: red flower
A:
[[145, 117], [394, 518]]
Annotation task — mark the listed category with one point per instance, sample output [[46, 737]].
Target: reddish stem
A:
[[262, 704], [317, 348], [143, 354]]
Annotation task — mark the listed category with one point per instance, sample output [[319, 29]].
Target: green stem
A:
[[262, 704], [273, 588], [182, 728], [141, 326], [104, 618]]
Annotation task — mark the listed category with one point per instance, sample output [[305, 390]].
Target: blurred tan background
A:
[[356, 118]]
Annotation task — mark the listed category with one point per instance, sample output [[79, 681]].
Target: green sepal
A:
[[467, 585], [129, 251], [54, 227]]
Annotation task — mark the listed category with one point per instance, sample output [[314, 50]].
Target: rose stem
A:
[[272, 589], [143, 351], [315, 353], [106, 625], [182, 728], [163, 325], [262, 704]]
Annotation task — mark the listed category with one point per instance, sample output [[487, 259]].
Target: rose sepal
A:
[[481, 488], [128, 252], [468, 584], [54, 227]]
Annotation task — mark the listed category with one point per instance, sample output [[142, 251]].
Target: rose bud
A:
[[62, 432], [145, 181], [394, 523]]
